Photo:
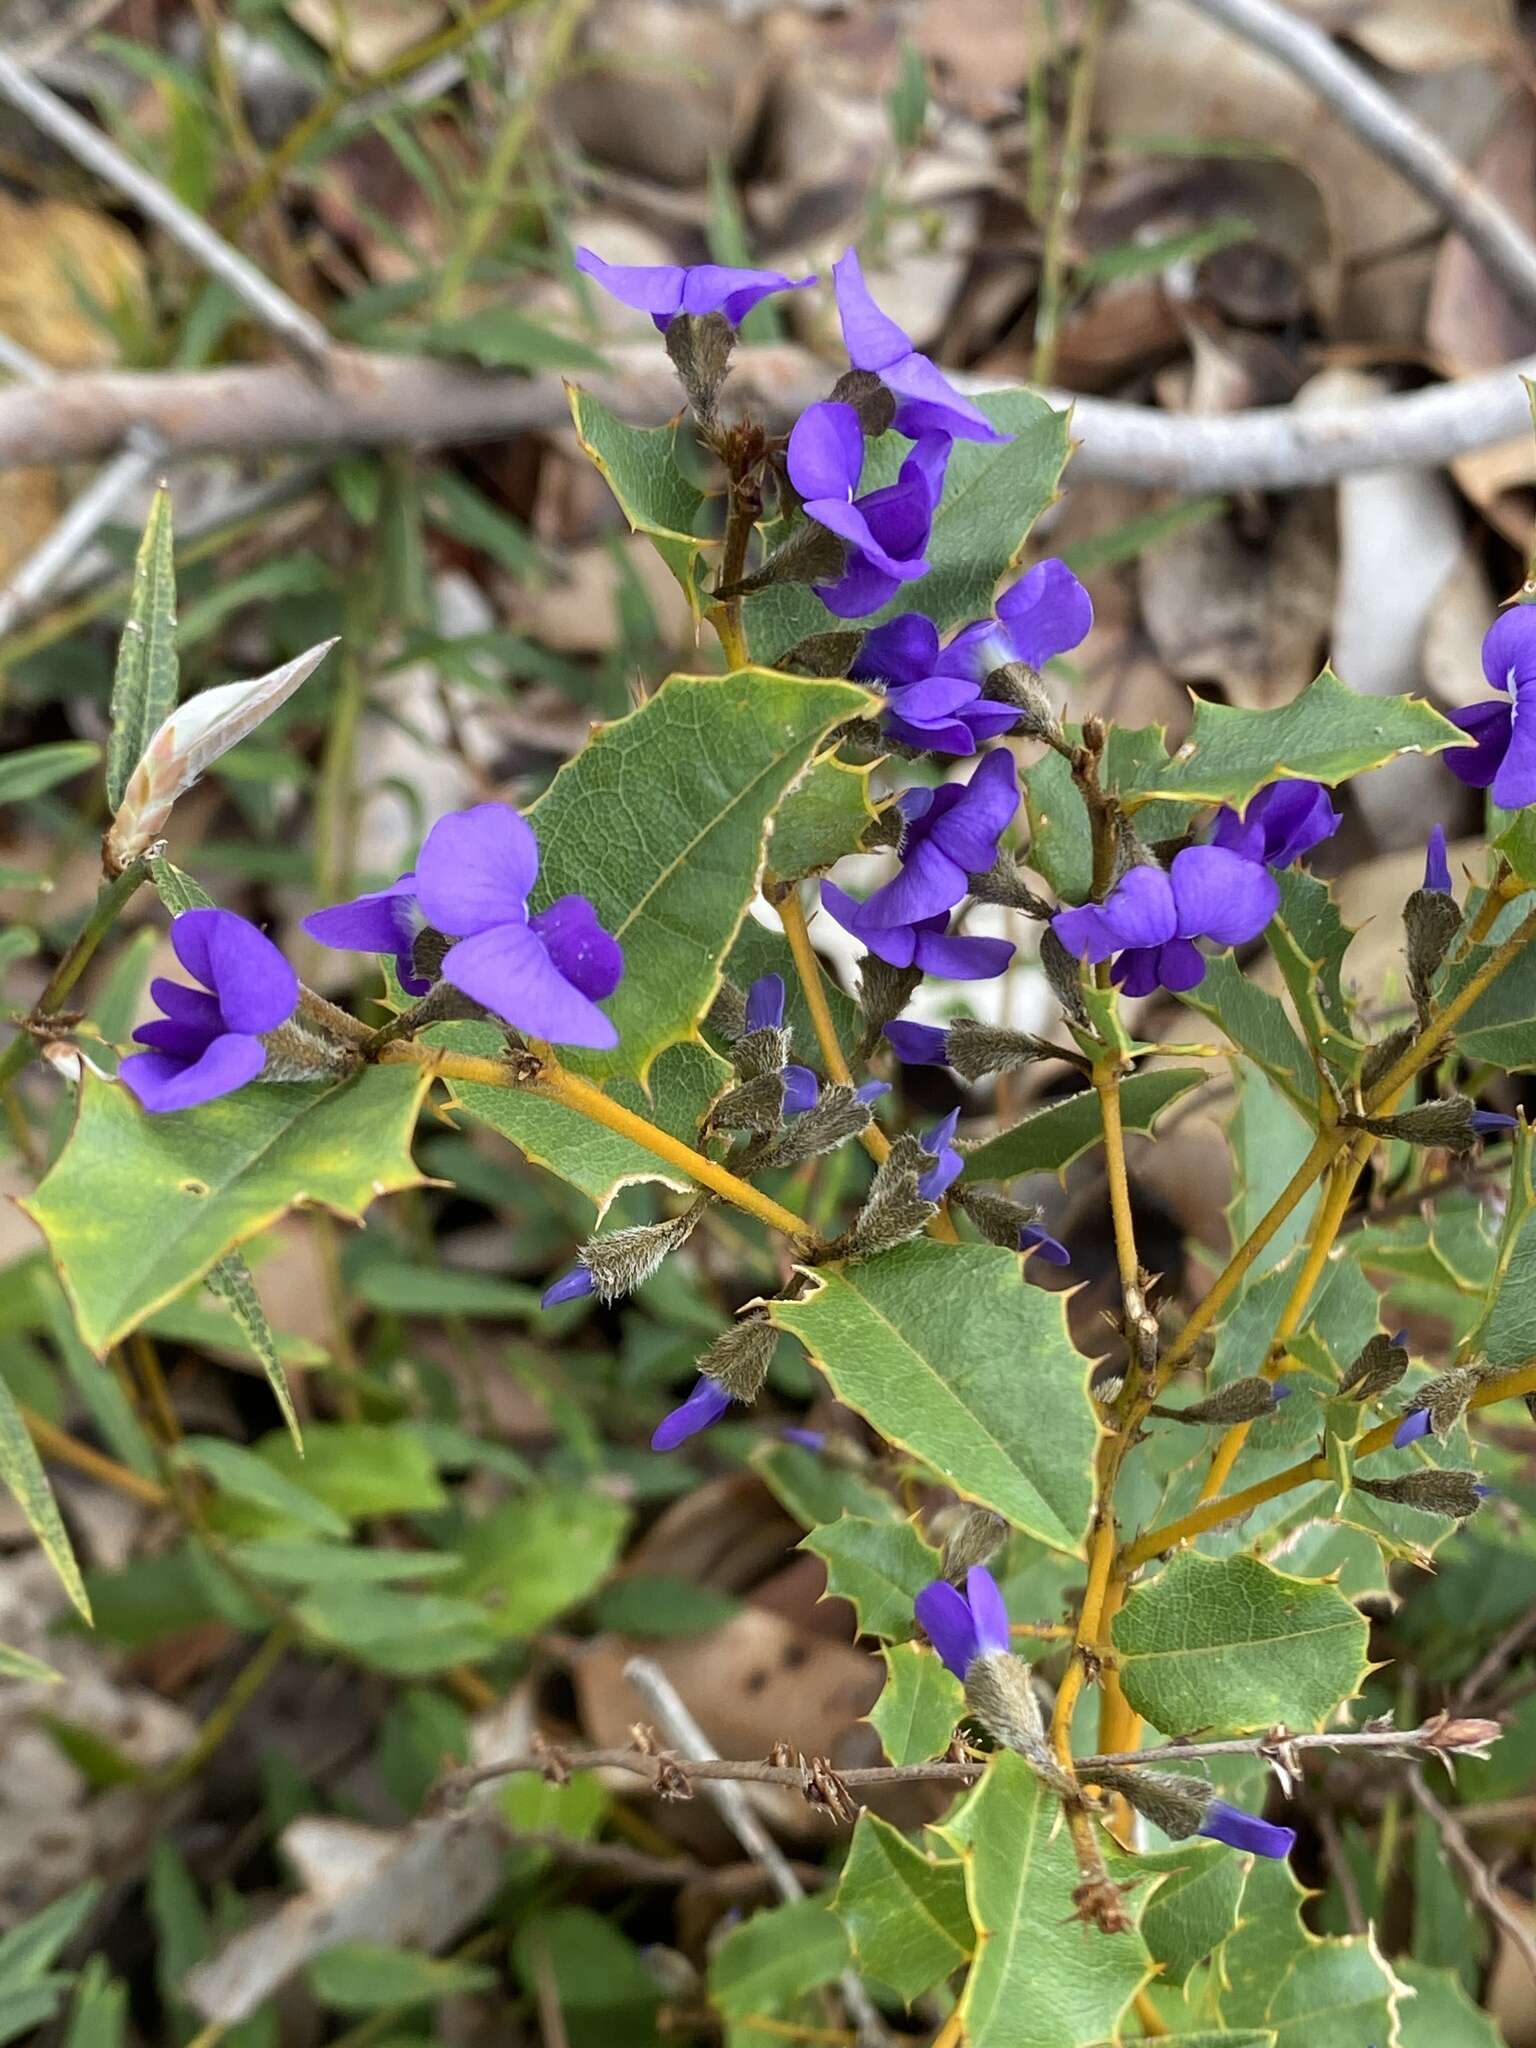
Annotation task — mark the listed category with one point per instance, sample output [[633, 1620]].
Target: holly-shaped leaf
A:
[[904, 1912], [823, 817], [919, 1707], [880, 1567], [640, 467], [1049, 1139]]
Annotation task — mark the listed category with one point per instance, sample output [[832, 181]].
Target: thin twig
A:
[[374, 400], [297, 329], [1475, 1871], [33, 579], [1386, 128], [1499, 1653], [685, 1734]]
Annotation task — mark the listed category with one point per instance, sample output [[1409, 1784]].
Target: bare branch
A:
[[1507, 252], [375, 400], [297, 329], [84, 518]]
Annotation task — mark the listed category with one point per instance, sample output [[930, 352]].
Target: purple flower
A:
[[1488, 1122], [807, 1439], [886, 530], [1034, 1237], [543, 974], [1284, 821], [934, 702], [572, 1286], [948, 1165], [1415, 1423], [387, 922], [801, 1090], [951, 833], [918, 1045], [926, 945], [1151, 918], [1246, 1831], [1503, 751], [926, 401], [765, 1003], [1046, 613], [666, 289], [208, 1043], [871, 1091], [702, 1409], [1437, 868], [964, 1626]]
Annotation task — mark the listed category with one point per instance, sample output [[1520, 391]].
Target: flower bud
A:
[[1461, 1735], [1176, 1804], [1378, 1368], [893, 1210], [838, 1113], [295, 1053], [765, 1003], [975, 1049], [739, 1358], [756, 1105], [1383, 1056], [700, 345], [625, 1259], [573, 1286], [801, 1090], [869, 398], [1017, 684], [727, 1014], [1243, 1400], [884, 991], [758, 1054], [971, 1536], [812, 554], [1004, 883], [1431, 920], [823, 654], [1064, 973], [998, 1691], [1450, 1124], [1452, 1494]]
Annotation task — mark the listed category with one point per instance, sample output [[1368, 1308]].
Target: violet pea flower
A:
[[666, 289], [1046, 613], [951, 833], [926, 945], [1034, 1237], [209, 1041], [543, 974], [886, 531], [1152, 917], [1415, 1423], [765, 1003], [917, 1045], [1437, 866], [575, 1285], [947, 1163], [1502, 756], [934, 703], [1246, 1831], [702, 1410], [1284, 821], [964, 1626], [926, 401]]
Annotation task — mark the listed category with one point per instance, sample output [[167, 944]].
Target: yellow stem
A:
[[67, 1450], [792, 916], [949, 2035], [1518, 1380], [1106, 1081], [554, 1084], [1152, 2027]]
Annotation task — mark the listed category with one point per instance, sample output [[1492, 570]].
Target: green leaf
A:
[[1269, 1140], [27, 1951], [364, 1976], [144, 684], [1049, 1139], [100, 2015], [499, 339], [1502, 1333], [816, 1488], [1060, 835], [993, 494], [905, 1913], [1195, 1908], [359, 1469], [1039, 1980], [1257, 1024], [245, 1476], [531, 1559], [289, 1561], [1440, 2014], [776, 1957], [30, 1670], [30, 770], [823, 817], [919, 1707], [230, 1279], [408, 1635], [387, 1281], [1230, 1645], [681, 1085], [21, 1469], [879, 1567], [136, 1207], [1327, 733], [1309, 939], [1311, 1993], [660, 820], [607, 1995], [640, 467], [924, 1342], [177, 891], [658, 1604]]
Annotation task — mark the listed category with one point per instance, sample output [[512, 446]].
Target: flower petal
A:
[[956, 958], [718, 288], [765, 1003], [1180, 965], [256, 988], [896, 946], [1246, 1831], [802, 1090], [1437, 868], [872, 338], [654, 288], [862, 588], [188, 1005], [1509, 648], [1034, 1237], [1515, 784], [510, 971], [969, 831], [825, 456], [1140, 909], [988, 1610], [929, 404], [1221, 896], [590, 959], [927, 883], [918, 1045], [946, 1621], [1488, 726], [163, 1083], [904, 650], [380, 922], [1087, 933], [476, 868], [703, 1407], [1292, 816], [1135, 972], [1047, 612]]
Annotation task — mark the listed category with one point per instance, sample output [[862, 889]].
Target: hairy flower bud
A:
[[869, 398], [1442, 1402], [1453, 1494], [1431, 920], [758, 1054], [893, 1210], [1004, 883], [975, 1049], [883, 992], [1107, 1381], [297, 1054], [823, 654], [1001, 1696], [1450, 1124], [1064, 973], [1242, 1401], [727, 1014], [739, 1358], [1383, 1056], [700, 346], [1176, 1804], [971, 1535], [625, 1259], [1018, 685], [1378, 1368], [999, 1219], [812, 554], [756, 1105], [839, 1113]]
